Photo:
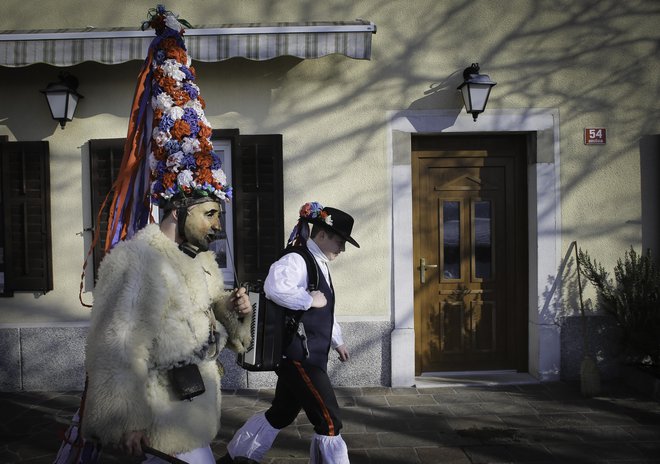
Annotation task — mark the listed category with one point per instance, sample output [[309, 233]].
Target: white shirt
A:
[[286, 284]]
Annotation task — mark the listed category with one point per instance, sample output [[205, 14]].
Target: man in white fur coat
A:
[[160, 311], [156, 308]]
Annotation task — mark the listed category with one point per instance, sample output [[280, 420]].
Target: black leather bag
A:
[[187, 381]]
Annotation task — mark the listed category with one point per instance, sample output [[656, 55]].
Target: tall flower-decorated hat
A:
[[168, 157]]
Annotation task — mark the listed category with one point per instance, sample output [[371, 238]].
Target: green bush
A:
[[633, 299]]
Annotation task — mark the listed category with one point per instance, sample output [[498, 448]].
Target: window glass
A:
[[451, 235], [224, 247], [483, 245]]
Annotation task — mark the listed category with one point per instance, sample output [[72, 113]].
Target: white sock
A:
[[325, 449], [254, 439]]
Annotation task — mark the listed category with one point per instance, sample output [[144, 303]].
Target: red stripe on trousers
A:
[[317, 395]]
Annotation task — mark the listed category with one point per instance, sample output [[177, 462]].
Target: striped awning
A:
[[257, 41]]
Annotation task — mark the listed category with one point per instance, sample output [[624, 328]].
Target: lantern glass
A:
[[72, 102], [62, 98], [475, 97], [57, 102]]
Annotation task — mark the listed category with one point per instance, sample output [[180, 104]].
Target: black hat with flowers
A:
[[332, 219]]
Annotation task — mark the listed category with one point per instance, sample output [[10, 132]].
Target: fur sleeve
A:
[[117, 347], [237, 328]]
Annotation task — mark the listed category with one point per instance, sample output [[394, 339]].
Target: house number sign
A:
[[595, 136]]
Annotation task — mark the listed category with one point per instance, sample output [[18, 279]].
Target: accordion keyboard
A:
[[250, 356]]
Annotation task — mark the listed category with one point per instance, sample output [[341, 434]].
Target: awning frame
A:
[[252, 41], [92, 33]]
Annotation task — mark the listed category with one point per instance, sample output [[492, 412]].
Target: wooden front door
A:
[[470, 252]]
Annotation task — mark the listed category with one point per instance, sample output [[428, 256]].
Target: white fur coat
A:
[[148, 314]]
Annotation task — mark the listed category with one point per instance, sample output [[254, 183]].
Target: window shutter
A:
[[258, 200], [26, 214], [105, 161]]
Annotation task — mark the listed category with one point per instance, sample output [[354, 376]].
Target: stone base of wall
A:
[[52, 359], [42, 358]]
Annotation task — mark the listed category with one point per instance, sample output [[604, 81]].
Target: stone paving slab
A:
[[540, 423]]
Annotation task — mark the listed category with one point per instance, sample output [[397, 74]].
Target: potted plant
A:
[[632, 298]]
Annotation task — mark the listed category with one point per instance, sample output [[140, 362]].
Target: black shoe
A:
[[242, 460], [226, 459]]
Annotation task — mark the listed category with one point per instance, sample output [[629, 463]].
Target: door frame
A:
[[544, 225]]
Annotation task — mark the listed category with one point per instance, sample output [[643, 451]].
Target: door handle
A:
[[422, 269]]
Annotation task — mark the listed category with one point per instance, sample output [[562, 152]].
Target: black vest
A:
[[318, 328]]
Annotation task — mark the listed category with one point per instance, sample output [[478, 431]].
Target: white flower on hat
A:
[[161, 138], [328, 219], [174, 161], [172, 23], [219, 176], [171, 67], [190, 145], [163, 101], [196, 105], [174, 112], [185, 179]]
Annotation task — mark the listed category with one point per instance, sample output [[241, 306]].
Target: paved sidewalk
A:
[[531, 423]]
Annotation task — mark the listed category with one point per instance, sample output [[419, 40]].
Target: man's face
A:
[[330, 244], [202, 224]]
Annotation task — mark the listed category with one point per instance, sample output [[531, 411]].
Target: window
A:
[[258, 212], [253, 221], [25, 237], [105, 160]]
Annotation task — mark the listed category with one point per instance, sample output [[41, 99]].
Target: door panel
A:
[[466, 224]]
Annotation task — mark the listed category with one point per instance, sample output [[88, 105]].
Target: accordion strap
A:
[[310, 261]]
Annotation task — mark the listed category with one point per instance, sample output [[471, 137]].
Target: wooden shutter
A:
[[26, 215], [258, 205], [105, 161]]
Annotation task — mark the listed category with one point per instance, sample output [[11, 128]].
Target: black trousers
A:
[[304, 386]]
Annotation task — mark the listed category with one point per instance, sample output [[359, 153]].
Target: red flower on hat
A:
[[168, 84], [204, 130], [168, 179], [159, 74], [180, 97], [204, 176], [305, 210], [180, 129], [205, 160], [173, 50], [159, 152], [205, 146]]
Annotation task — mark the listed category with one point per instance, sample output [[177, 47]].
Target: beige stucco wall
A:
[[596, 62]]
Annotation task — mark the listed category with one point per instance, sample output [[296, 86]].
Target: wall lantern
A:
[[475, 90], [62, 98]]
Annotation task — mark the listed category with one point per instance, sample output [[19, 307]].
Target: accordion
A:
[[267, 329], [273, 326]]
